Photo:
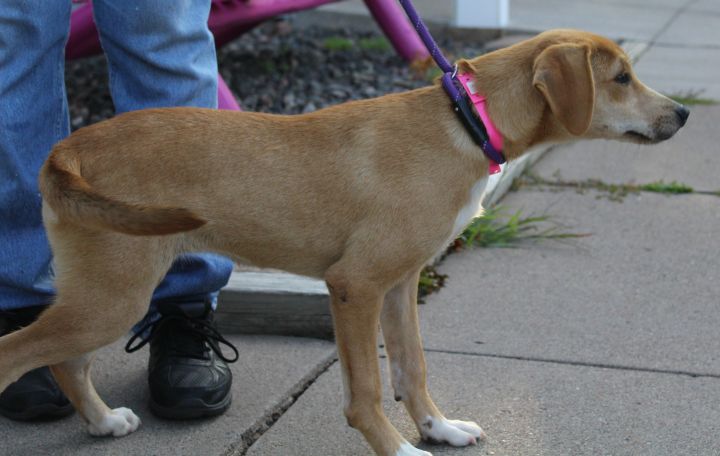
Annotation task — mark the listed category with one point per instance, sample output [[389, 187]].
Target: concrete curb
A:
[[275, 303]]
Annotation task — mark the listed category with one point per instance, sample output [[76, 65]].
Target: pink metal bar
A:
[[398, 29], [226, 99], [83, 40], [230, 18]]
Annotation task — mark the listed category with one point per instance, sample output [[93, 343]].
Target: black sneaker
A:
[[187, 371], [35, 396]]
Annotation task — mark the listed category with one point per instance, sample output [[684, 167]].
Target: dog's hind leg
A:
[[62, 337], [73, 376], [104, 286], [403, 343]]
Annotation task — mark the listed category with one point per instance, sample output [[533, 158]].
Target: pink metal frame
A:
[[230, 18]]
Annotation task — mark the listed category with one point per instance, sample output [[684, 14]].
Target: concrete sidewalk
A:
[[606, 345], [270, 371], [679, 39]]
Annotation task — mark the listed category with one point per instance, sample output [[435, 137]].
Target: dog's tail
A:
[[71, 197]]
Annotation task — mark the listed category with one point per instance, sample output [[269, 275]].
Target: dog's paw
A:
[[408, 450], [455, 432], [119, 422]]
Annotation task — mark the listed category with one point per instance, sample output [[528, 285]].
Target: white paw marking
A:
[[408, 450], [119, 422], [455, 432]]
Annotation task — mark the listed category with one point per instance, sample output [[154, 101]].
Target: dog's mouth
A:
[[639, 137]]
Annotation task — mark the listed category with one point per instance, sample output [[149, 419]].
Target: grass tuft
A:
[[376, 44], [673, 188], [497, 228], [430, 282], [613, 192], [692, 98], [337, 43]]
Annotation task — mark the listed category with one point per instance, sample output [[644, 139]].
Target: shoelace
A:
[[201, 328]]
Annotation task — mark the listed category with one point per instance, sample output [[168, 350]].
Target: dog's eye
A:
[[622, 78]]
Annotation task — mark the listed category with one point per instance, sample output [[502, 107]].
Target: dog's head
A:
[[566, 84], [592, 91]]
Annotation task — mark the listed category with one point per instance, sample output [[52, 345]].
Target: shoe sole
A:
[[43, 412], [190, 409]]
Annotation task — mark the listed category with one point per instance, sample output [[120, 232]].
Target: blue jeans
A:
[[159, 53]]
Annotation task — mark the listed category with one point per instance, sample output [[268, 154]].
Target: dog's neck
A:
[[517, 109]]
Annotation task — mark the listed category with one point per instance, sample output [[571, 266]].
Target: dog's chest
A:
[[473, 206], [471, 209]]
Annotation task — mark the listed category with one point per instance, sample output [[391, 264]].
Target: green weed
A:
[[613, 192], [661, 187], [497, 228], [430, 282], [377, 44], [337, 43], [693, 98]]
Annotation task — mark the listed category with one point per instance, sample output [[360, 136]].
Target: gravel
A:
[[278, 68]]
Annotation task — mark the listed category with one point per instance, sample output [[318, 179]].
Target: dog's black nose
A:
[[683, 113]]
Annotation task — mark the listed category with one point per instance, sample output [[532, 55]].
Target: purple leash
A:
[[448, 79], [449, 82]]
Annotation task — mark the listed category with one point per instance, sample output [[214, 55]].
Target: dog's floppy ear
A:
[[562, 73]]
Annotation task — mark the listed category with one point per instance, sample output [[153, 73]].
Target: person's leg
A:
[[162, 54], [33, 117]]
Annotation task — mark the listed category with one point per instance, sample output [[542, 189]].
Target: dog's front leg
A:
[[356, 310], [400, 327]]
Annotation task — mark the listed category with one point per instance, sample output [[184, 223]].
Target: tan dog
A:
[[363, 194]]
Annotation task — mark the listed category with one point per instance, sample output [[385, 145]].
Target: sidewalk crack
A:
[[710, 47], [613, 192], [253, 433], [621, 367], [664, 27]]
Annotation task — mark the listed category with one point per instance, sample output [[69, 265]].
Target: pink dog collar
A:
[[496, 139]]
